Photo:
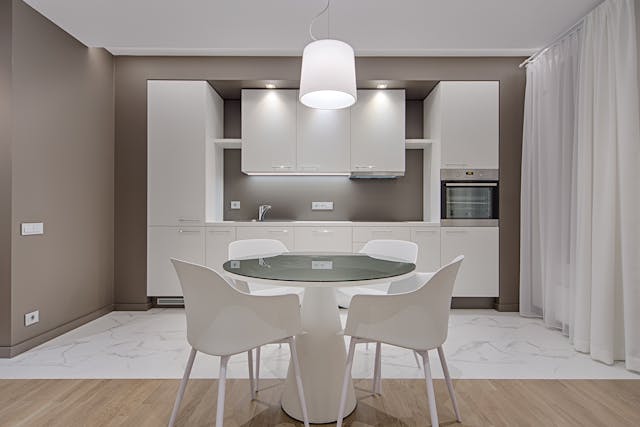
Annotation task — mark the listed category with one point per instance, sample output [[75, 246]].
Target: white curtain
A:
[[580, 227]]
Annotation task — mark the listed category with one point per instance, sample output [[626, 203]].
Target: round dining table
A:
[[321, 347]]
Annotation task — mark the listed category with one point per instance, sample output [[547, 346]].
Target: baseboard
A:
[[507, 307], [139, 306], [472, 302], [14, 350]]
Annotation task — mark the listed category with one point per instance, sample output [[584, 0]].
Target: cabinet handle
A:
[[278, 231], [427, 231], [188, 220], [323, 231], [456, 232], [219, 231], [188, 231], [310, 168], [365, 167], [381, 231], [456, 164], [281, 167]]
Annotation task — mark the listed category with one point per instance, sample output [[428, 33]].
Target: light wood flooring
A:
[[142, 403]]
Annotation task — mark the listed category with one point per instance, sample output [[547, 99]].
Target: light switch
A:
[[321, 206], [235, 204], [32, 228]]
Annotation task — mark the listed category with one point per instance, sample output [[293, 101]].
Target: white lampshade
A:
[[328, 77]]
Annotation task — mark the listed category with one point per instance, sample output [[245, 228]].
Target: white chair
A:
[[396, 249], [416, 320], [223, 321], [251, 248]]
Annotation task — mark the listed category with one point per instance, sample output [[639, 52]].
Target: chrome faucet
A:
[[262, 211]]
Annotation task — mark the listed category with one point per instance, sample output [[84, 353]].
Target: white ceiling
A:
[[280, 27]]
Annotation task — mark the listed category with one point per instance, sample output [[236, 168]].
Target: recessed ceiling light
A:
[[270, 86], [381, 86]]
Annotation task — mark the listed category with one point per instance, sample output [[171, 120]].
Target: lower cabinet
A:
[[164, 243], [284, 234], [428, 241], [478, 275], [322, 239], [217, 246]]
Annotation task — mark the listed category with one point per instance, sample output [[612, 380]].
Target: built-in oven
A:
[[469, 197]]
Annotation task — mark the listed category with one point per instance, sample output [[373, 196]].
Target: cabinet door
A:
[[217, 246], [428, 241], [176, 152], [323, 239], [377, 131], [269, 130], [164, 243], [478, 275], [470, 125], [323, 140], [284, 234]]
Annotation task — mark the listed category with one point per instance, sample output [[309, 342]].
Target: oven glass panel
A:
[[469, 202]]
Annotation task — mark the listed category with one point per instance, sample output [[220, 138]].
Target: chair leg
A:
[[257, 369], [431, 395], [296, 370], [251, 382], [183, 386], [447, 377], [415, 354], [221, 390], [377, 370], [345, 381]]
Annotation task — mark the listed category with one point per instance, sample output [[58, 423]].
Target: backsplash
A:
[[398, 199]]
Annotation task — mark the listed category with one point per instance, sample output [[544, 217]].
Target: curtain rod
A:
[[574, 27]]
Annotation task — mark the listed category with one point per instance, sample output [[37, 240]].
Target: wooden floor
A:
[[141, 403]]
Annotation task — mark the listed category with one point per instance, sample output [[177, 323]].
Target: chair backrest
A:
[[222, 321], [250, 248], [398, 249], [418, 319]]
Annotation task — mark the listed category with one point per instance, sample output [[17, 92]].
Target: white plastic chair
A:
[[223, 321], [416, 320], [251, 248]]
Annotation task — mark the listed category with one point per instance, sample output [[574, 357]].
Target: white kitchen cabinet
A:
[[464, 117], [269, 130], [164, 243], [378, 132], [362, 234], [428, 241], [284, 234], [323, 140], [478, 275], [323, 239], [217, 241], [180, 116]]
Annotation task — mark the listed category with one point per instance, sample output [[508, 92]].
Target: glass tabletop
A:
[[296, 267]]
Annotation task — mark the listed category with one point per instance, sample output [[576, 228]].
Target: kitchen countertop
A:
[[277, 223]]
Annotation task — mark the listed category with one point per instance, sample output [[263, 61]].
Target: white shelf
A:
[[418, 143], [228, 142]]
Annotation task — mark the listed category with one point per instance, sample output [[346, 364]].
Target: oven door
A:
[[469, 203]]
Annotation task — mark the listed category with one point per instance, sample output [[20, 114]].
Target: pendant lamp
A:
[[328, 76]]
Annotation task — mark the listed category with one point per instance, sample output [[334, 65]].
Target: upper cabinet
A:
[[269, 130], [323, 140], [180, 116], [464, 117], [377, 132]]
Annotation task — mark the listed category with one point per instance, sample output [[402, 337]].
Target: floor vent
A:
[[170, 301]]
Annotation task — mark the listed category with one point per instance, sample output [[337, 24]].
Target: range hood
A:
[[375, 175]]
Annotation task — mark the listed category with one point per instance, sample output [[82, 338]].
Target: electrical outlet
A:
[[32, 228], [31, 318], [321, 206], [235, 204]]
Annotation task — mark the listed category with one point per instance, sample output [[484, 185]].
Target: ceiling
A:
[[280, 27]]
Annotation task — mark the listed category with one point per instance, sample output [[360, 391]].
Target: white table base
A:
[[322, 356]]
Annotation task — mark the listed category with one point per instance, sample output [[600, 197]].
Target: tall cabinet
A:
[[181, 117]]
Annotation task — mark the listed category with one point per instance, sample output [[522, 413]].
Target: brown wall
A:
[[62, 174], [131, 141], [5, 173], [398, 199]]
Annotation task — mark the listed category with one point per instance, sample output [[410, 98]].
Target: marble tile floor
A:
[[482, 344]]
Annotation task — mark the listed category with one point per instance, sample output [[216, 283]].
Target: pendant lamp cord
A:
[[318, 16]]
